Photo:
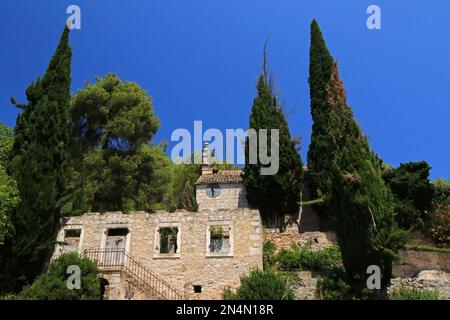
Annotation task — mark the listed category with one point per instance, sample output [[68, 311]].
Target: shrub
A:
[[261, 285], [53, 285], [337, 286], [438, 224], [413, 294], [269, 249], [304, 258]]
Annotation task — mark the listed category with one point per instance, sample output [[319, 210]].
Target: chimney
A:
[[205, 159]]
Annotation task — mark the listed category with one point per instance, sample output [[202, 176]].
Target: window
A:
[[168, 240], [117, 232], [213, 190], [219, 239], [197, 289], [71, 240]]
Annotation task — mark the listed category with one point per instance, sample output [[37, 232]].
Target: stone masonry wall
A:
[[286, 239], [432, 280], [192, 265], [232, 196]]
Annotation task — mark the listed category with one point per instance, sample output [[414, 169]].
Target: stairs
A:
[[119, 259]]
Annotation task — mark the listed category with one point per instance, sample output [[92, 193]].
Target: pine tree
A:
[[278, 194], [38, 161], [361, 204]]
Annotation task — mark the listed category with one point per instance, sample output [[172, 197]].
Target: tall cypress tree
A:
[[278, 194], [320, 67], [361, 204], [38, 161]]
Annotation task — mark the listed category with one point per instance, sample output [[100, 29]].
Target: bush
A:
[[438, 223], [304, 258], [336, 286], [261, 285], [269, 249], [413, 294], [53, 285]]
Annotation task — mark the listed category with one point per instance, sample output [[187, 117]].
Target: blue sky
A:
[[199, 60]]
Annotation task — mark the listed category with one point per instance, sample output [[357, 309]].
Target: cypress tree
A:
[[278, 194], [38, 161], [361, 204], [320, 67]]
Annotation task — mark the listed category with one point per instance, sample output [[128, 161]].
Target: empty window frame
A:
[[219, 239], [168, 240], [71, 240]]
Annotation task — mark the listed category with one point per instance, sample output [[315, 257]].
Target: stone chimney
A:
[[205, 159]]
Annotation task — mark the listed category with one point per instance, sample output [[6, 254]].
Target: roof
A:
[[223, 176]]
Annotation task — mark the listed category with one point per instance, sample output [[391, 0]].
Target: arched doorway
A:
[[104, 284]]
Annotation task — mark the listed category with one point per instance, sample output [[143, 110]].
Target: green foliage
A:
[[183, 186], [414, 294], [424, 248], [9, 199], [438, 225], [438, 222], [6, 142], [53, 284], [9, 195], [319, 162], [114, 165], [360, 203], [336, 285], [38, 163], [261, 285], [413, 193], [278, 194], [269, 249], [300, 258]]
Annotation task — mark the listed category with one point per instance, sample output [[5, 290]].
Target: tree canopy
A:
[[360, 203], [278, 194], [114, 164], [38, 161]]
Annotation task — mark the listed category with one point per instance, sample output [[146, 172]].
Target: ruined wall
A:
[[286, 239], [232, 196], [191, 265], [432, 280]]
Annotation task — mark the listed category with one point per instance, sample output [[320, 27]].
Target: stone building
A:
[[179, 255]]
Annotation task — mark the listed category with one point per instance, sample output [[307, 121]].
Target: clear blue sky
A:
[[199, 60]]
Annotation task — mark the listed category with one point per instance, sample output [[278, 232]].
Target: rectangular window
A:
[[168, 240], [71, 240], [219, 239]]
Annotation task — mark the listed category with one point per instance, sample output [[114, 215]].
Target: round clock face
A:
[[212, 190]]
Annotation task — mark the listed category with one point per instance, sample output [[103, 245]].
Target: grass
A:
[[418, 247], [413, 294]]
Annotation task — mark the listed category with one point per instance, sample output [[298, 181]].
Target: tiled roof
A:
[[224, 176]]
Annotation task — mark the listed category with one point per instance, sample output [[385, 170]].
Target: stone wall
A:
[[432, 280], [305, 287], [191, 265], [232, 196], [286, 239]]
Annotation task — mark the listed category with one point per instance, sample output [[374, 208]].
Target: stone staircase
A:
[[136, 273]]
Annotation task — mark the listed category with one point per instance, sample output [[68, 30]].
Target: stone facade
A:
[[232, 196], [318, 240], [432, 280], [192, 264]]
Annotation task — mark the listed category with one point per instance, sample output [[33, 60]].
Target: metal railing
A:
[[119, 259]]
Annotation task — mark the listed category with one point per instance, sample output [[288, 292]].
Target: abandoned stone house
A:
[[181, 254]]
